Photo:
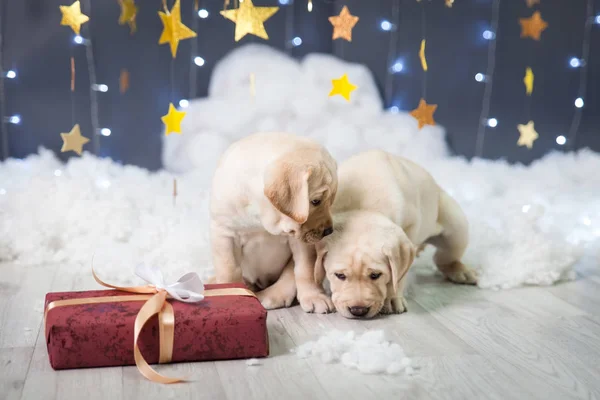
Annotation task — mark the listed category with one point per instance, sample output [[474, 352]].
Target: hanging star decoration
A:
[[343, 24], [249, 19], [531, 3], [173, 120], [128, 14], [343, 87], [124, 81], [73, 140], [449, 3], [173, 29], [533, 27], [528, 81], [424, 113], [72, 16], [422, 55], [527, 134]]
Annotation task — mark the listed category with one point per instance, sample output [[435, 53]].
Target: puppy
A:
[[385, 209], [270, 203]]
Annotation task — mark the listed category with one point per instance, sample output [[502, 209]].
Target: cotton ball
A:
[[394, 368], [205, 151], [252, 362]]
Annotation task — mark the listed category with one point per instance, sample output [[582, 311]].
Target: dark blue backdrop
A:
[[39, 49]]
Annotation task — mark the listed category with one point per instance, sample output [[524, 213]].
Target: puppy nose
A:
[[358, 311], [327, 231]]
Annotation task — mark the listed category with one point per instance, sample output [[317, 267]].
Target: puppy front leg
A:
[[395, 304], [311, 296], [224, 250]]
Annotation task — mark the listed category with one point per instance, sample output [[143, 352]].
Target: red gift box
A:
[[99, 335]]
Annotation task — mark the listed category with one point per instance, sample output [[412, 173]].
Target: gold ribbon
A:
[[156, 303]]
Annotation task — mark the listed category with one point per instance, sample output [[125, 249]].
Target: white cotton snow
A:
[[369, 353], [528, 225]]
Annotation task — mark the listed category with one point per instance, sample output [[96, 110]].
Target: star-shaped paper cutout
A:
[[528, 134], [343, 24], [424, 113], [124, 81], [73, 140], [531, 3], [128, 14], [533, 27], [173, 29], [449, 3], [72, 16], [343, 87], [173, 120], [250, 19], [528, 81], [422, 55]]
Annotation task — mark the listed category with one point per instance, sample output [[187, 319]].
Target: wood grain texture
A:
[[467, 343]]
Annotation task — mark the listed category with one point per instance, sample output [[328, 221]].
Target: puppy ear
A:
[[320, 262], [400, 258], [286, 187]]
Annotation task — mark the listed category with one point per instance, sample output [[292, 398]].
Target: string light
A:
[[492, 122], [480, 77], [203, 13], [199, 61], [394, 109], [309, 6], [561, 140], [100, 88], [183, 103], [386, 25], [579, 102], [284, 2], [78, 39], [297, 41], [105, 132], [397, 67], [597, 19], [11, 74], [575, 62], [488, 35], [14, 119]]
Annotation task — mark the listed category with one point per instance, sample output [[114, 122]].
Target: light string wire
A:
[[289, 28], [3, 122], [424, 37], [585, 54], [489, 80], [392, 48], [193, 69], [89, 54]]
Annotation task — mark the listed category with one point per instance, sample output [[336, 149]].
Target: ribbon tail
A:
[[152, 307], [131, 289]]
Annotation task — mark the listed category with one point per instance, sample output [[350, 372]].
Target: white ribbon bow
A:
[[188, 289]]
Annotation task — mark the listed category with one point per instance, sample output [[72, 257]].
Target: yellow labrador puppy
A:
[[270, 203], [387, 207]]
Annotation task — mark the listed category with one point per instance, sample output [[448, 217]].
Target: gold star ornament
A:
[[128, 14], [249, 19], [124, 81], [72, 16], [173, 120], [343, 87], [449, 3], [528, 81], [531, 3], [424, 113], [527, 134], [343, 24], [73, 141], [173, 29], [533, 27]]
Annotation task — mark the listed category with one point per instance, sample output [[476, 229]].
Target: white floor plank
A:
[[14, 363]]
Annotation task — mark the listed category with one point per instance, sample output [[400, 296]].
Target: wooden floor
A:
[[531, 343]]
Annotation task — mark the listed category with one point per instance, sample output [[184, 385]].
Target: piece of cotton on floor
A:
[[369, 353], [528, 225]]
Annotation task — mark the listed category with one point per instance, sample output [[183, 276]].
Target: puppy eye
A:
[[315, 202], [375, 275], [341, 277]]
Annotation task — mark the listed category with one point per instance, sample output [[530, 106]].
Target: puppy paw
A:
[[272, 301], [457, 272], [396, 305], [318, 303]]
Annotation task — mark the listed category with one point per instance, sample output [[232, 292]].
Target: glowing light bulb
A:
[[78, 39], [492, 122], [526, 208], [297, 41], [386, 25], [575, 62], [14, 119], [199, 61], [105, 132], [284, 2], [397, 67], [203, 13], [10, 74], [309, 6], [100, 88], [488, 35], [579, 102], [480, 77], [561, 140], [597, 19], [57, 172], [183, 103]]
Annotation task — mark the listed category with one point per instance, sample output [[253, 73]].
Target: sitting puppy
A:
[[387, 206], [270, 203]]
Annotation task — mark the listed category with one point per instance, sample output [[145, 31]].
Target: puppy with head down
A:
[[270, 203], [386, 208]]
